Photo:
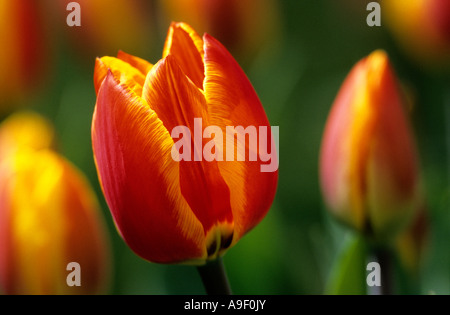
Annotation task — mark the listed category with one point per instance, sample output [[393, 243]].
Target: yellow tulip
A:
[[49, 216]]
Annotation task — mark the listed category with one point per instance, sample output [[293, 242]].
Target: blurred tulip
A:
[[368, 165], [49, 216], [27, 130], [22, 52], [168, 211], [243, 26], [106, 25], [422, 27]]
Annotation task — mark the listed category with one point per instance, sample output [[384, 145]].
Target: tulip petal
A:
[[82, 219], [7, 266], [132, 149], [177, 101], [141, 64], [392, 169], [124, 72], [187, 47], [232, 101], [36, 222], [335, 155]]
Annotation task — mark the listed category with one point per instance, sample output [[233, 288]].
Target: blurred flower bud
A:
[[22, 53], [368, 165], [49, 216], [422, 28]]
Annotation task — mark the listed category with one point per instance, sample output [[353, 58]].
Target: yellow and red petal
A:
[[7, 265], [132, 150], [177, 102], [124, 72], [232, 101], [336, 152], [141, 64], [37, 243], [84, 224], [187, 47], [392, 166]]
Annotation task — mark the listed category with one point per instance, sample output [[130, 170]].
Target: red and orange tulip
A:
[[422, 27], [168, 211], [22, 49], [48, 216], [368, 166]]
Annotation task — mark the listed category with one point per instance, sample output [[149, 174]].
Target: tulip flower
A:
[[171, 211], [243, 26], [22, 49], [49, 216], [422, 28], [368, 164]]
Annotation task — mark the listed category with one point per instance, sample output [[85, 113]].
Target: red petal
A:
[[85, 242], [336, 152], [187, 47], [232, 101], [140, 180], [123, 72], [8, 270], [142, 65], [177, 102], [392, 166]]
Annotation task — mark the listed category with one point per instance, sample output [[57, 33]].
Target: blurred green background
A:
[[297, 73]]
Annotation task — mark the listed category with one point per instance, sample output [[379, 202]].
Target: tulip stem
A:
[[214, 278], [384, 258]]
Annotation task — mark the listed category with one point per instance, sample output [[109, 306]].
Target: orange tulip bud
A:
[[368, 164], [22, 49], [171, 211], [422, 27], [49, 217]]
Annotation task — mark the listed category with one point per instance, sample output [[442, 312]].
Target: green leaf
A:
[[348, 276]]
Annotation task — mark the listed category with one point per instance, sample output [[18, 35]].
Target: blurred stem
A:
[[447, 115], [384, 258], [214, 278]]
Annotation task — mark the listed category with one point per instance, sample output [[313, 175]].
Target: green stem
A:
[[214, 278]]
